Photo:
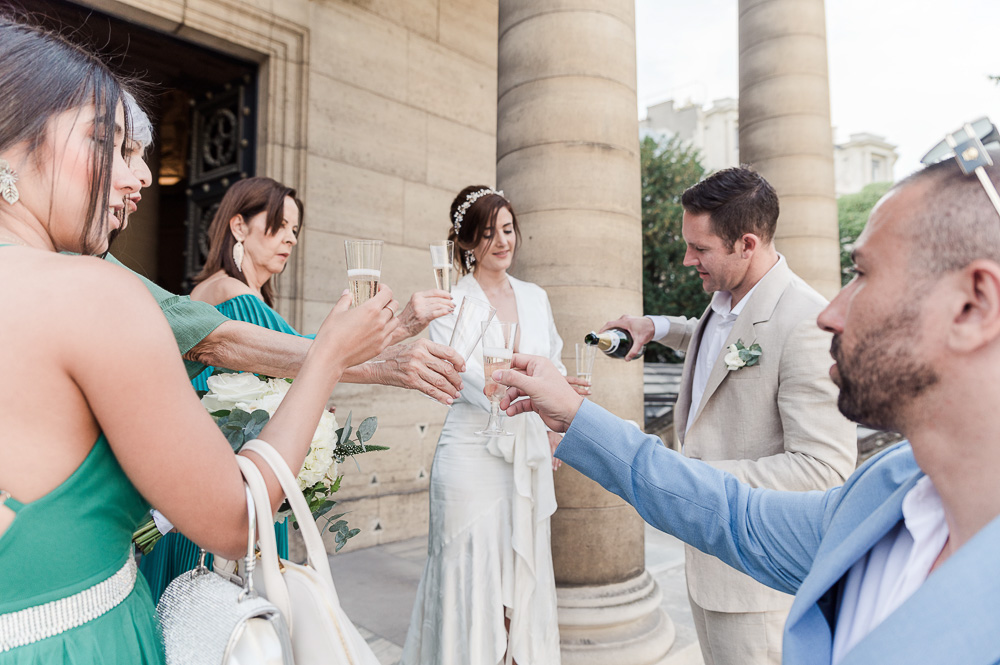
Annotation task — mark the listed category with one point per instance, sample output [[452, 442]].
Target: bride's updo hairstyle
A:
[[42, 74], [473, 213]]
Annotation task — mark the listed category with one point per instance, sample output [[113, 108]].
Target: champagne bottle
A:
[[615, 342]]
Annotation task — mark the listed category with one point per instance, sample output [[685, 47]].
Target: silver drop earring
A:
[[8, 177], [238, 253], [470, 258]]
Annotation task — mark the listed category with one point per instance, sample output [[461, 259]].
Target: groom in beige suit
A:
[[771, 423]]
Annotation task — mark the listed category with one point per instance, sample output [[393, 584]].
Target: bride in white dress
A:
[[488, 595]]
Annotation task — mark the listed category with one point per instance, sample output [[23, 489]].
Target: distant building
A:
[[864, 159], [714, 131]]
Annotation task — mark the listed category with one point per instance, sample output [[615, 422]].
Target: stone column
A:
[[568, 158], [785, 130]]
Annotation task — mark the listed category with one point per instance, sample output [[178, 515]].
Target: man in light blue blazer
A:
[[902, 563]]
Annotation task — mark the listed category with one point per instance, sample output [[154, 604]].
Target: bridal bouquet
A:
[[241, 405]]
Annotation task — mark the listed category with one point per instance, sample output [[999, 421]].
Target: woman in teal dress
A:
[[99, 420], [263, 217]]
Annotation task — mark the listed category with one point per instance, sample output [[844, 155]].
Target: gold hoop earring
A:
[[238, 253]]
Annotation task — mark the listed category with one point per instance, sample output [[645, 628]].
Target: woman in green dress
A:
[[264, 217], [99, 418]]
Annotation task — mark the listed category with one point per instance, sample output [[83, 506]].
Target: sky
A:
[[909, 70]]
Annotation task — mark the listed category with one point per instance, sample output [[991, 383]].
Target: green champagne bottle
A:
[[615, 342]]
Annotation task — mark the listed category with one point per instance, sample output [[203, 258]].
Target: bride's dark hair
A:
[[477, 219], [42, 74]]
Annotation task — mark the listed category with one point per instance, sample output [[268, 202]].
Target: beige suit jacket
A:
[[774, 425]]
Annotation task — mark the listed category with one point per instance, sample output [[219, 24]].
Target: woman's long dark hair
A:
[[479, 218], [42, 74], [246, 198]]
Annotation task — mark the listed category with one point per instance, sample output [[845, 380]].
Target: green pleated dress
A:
[[175, 554], [74, 537]]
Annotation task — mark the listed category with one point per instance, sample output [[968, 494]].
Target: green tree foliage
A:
[[852, 214], [668, 287]]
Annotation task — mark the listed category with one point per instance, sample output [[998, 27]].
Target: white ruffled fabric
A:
[[489, 552]]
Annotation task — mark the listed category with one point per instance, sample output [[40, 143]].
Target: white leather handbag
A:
[[320, 630]]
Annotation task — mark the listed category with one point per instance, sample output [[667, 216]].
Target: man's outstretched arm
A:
[[770, 535]]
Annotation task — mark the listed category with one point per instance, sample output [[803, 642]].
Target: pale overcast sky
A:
[[909, 70]]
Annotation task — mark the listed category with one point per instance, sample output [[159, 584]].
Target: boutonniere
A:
[[739, 356]]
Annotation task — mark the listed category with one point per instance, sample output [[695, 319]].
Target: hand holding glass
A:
[[364, 269], [443, 262], [472, 315], [498, 351]]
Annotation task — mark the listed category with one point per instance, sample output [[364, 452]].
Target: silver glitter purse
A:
[[206, 619]]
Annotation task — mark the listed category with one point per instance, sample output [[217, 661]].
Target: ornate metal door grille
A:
[[223, 150]]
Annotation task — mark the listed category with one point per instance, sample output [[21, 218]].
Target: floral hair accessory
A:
[[739, 356], [469, 200]]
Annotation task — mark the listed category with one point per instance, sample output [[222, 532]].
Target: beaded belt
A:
[[37, 623]]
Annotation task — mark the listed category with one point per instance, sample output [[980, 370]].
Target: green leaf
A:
[[239, 416], [200, 393], [222, 413], [345, 431], [367, 429]]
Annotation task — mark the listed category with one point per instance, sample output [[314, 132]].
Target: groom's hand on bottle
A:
[[640, 327], [542, 389]]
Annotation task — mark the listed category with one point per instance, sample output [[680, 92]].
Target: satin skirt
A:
[[475, 577]]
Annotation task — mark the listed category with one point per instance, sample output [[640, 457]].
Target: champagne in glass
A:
[[364, 269], [363, 284], [442, 260], [495, 359], [498, 351], [585, 355]]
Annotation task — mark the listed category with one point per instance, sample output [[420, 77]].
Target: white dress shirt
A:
[[893, 569], [721, 318]]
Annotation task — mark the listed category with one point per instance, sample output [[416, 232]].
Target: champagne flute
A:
[[498, 351], [585, 354], [364, 269], [443, 262], [473, 314]]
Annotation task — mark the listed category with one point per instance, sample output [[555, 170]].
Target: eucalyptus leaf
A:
[[345, 431], [367, 429], [222, 413], [239, 416]]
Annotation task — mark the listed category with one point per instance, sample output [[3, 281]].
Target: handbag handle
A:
[[251, 556], [274, 584], [315, 549]]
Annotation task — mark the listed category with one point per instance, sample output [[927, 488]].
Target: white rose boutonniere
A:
[[739, 356]]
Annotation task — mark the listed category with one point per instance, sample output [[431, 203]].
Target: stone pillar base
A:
[[614, 623]]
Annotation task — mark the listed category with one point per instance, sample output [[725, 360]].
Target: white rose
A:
[[244, 387], [317, 463], [326, 431], [278, 387], [269, 403], [733, 360]]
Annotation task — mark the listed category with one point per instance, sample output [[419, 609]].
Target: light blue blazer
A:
[[804, 543]]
